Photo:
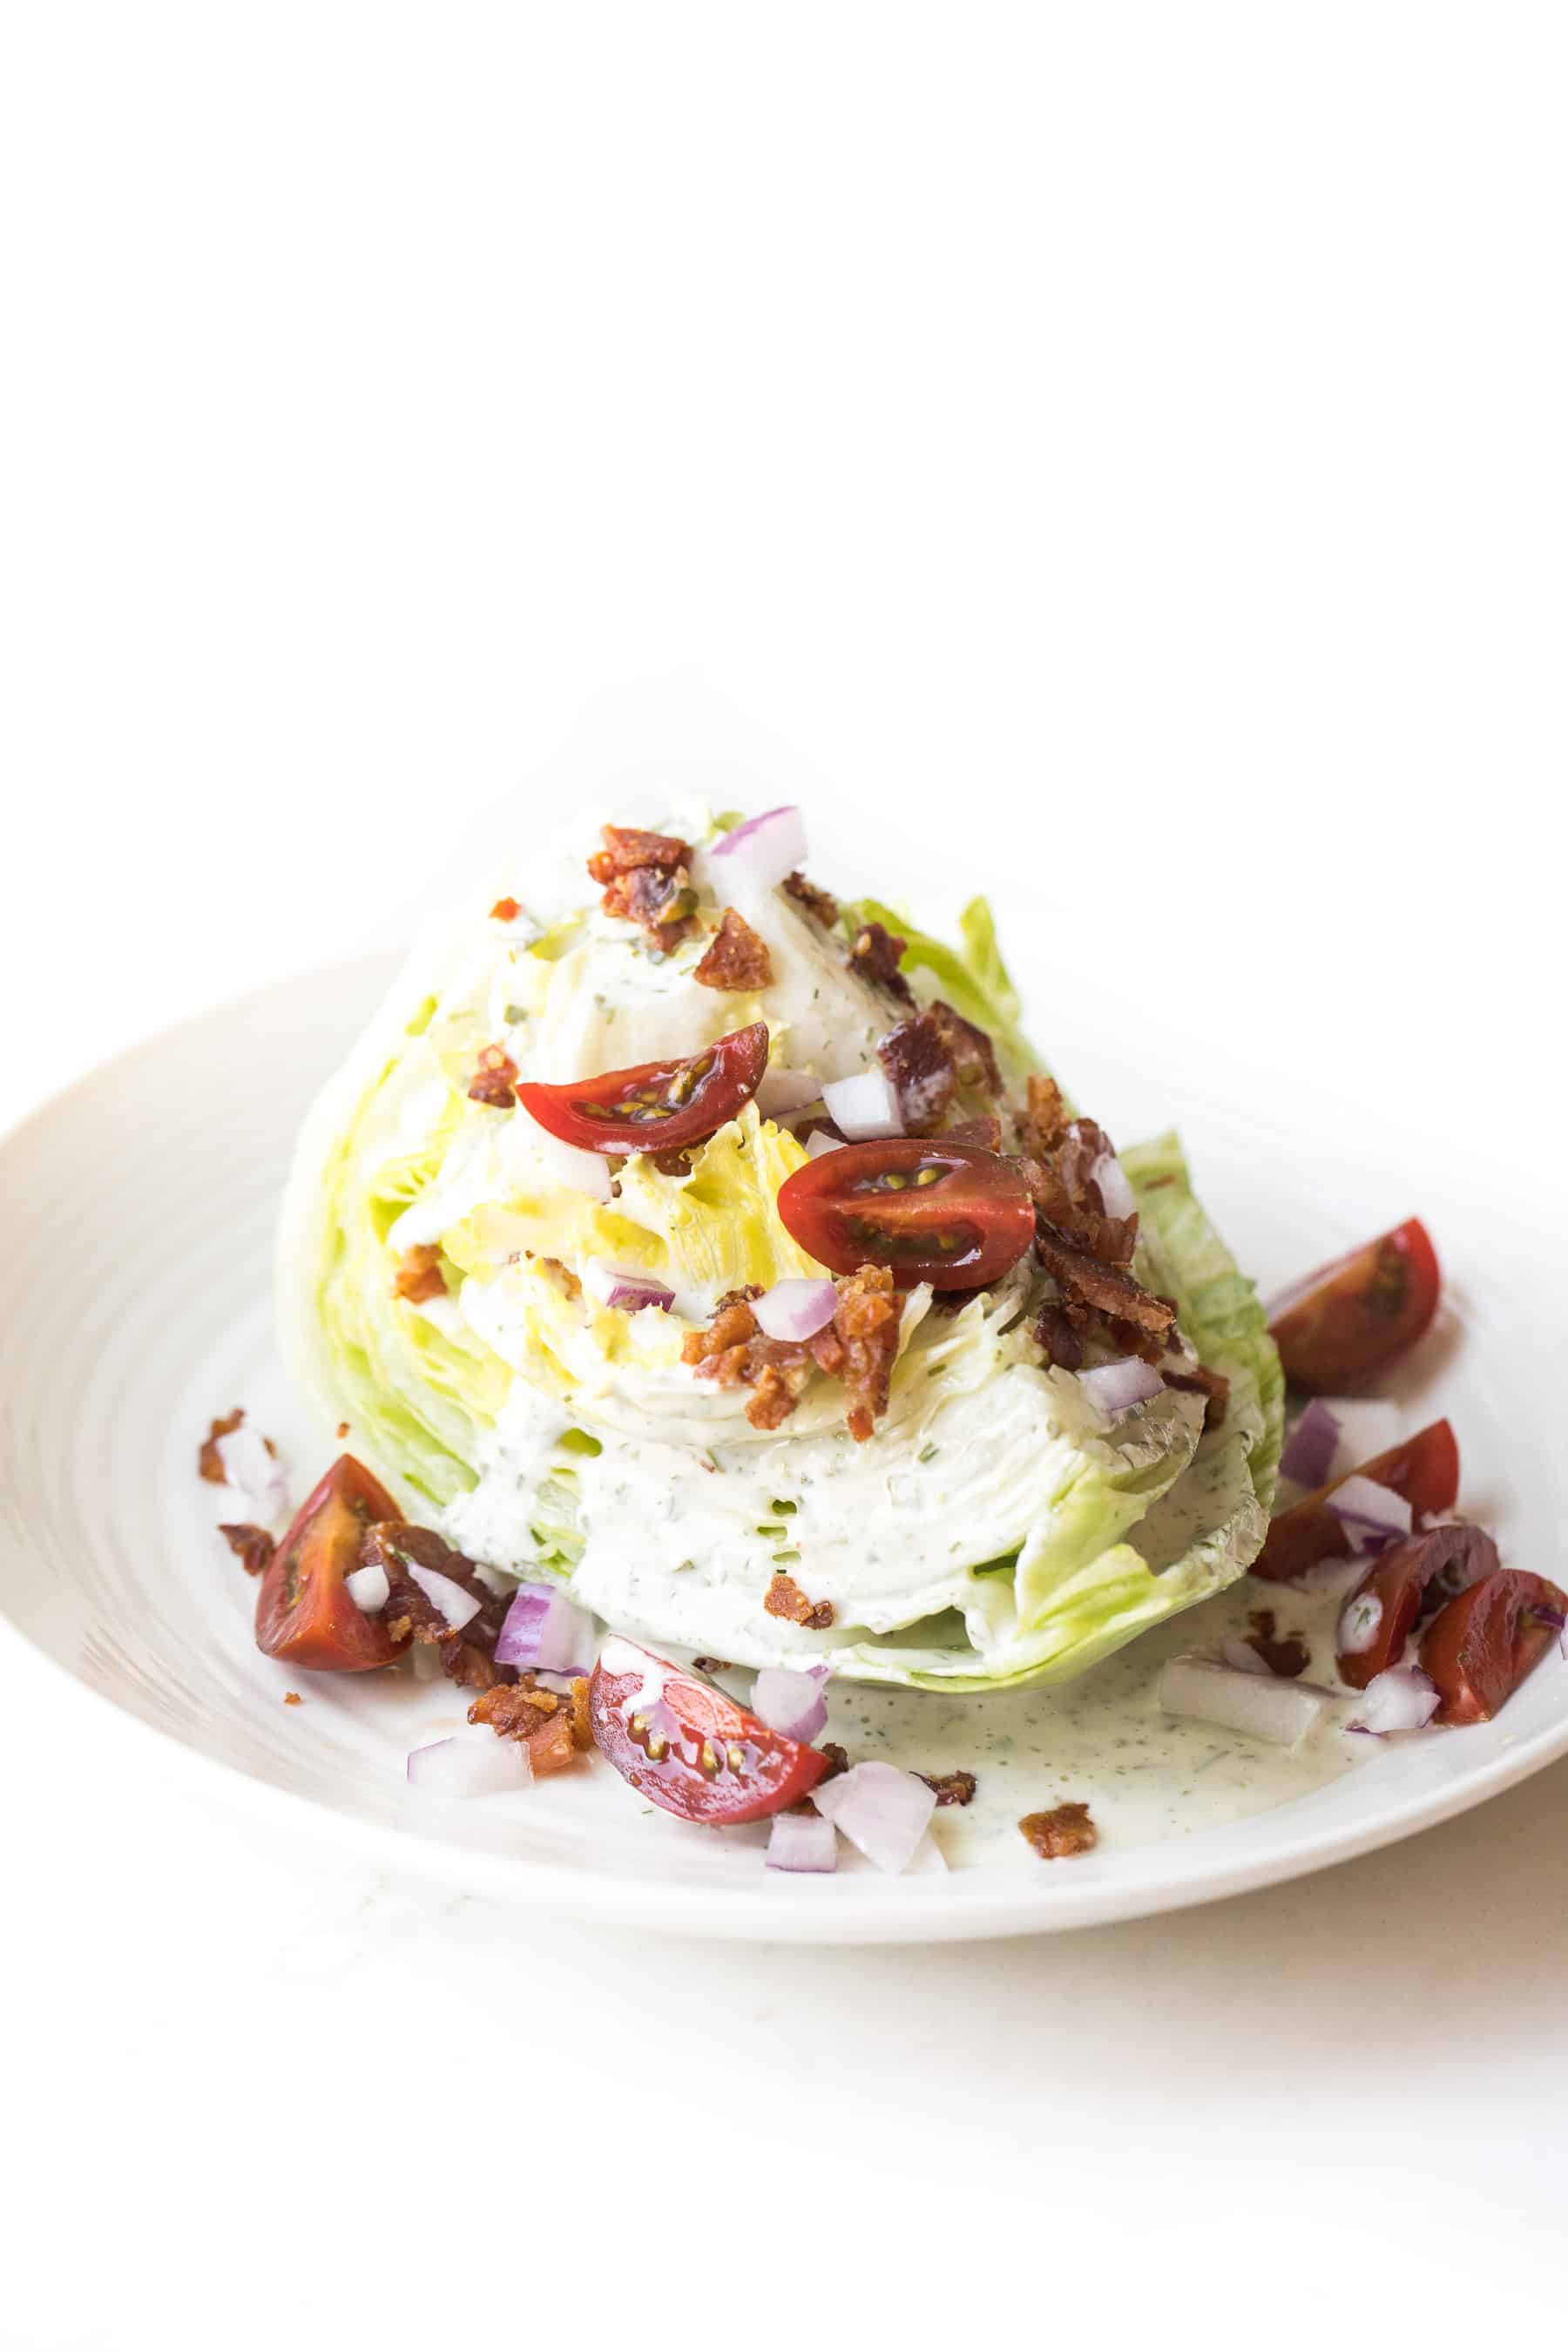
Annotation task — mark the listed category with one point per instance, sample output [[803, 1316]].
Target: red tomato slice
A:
[[929, 1209], [302, 1612], [1424, 1469], [686, 1746], [1381, 1613], [1479, 1647], [658, 1106], [1345, 1322]]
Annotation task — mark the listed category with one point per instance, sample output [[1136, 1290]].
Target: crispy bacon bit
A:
[[837, 1759], [564, 1279], [495, 1081], [930, 1056], [1043, 1120], [737, 959], [1109, 1288], [713, 1665], [1283, 1654], [505, 910], [419, 1275], [209, 1461], [951, 1787], [858, 1348], [866, 1326], [553, 1729], [647, 878], [292, 1698], [1213, 1387], [784, 1599], [467, 1655], [251, 1546], [1060, 1342], [342, 1429], [1065, 1830], [821, 904], [876, 954], [984, 1133]]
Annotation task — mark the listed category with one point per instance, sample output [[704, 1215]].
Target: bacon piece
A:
[[1213, 1387], [1283, 1654], [1109, 1288], [292, 1698], [920, 1067], [983, 1133], [820, 904], [209, 1461], [1065, 1830], [419, 1275], [251, 1546], [837, 1759], [505, 910], [554, 1731], [647, 879], [868, 1324], [629, 850], [857, 1347], [973, 1056], [951, 1787], [1055, 1334], [495, 1081], [467, 1655], [1043, 1120], [564, 1279], [737, 959], [784, 1599], [875, 955]]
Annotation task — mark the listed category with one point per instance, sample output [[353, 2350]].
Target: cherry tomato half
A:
[[930, 1210], [659, 1105], [1479, 1647], [1424, 1469], [686, 1746], [302, 1612], [1346, 1321], [1381, 1613]]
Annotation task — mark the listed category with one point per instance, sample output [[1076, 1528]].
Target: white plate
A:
[[137, 1210]]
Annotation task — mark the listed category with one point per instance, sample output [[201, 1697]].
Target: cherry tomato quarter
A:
[[302, 1612], [658, 1106], [689, 1748], [1424, 1469], [1402, 1585], [927, 1209], [1481, 1644], [1344, 1323]]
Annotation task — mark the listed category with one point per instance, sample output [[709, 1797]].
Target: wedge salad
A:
[[705, 1266]]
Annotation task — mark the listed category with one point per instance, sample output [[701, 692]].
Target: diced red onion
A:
[[784, 1092], [456, 1605], [1370, 1514], [864, 1106], [796, 1308], [1264, 1707], [255, 1476], [1235, 1651], [882, 1810], [1115, 1188], [1311, 1445], [1360, 1621], [630, 1292], [819, 1141], [763, 850], [790, 1701], [1127, 1382], [544, 1628], [564, 1163], [367, 1588], [460, 1767], [1402, 1698], [802, 1841]]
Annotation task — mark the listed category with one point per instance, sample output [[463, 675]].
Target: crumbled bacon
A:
[[984, 1134], [821, 904], [784, 1599], [1213, 1387], [419, 1275], [1043, 1120], [1110, 1289], [495, 1081], [251, 1546], [876, 955], [1283, 1654], [1065, 1830], [342, 1430], [505, 910], [856, 1348], [647, 878], [564, 1279], [292, 1698], [553, 1729], [930, 1056], [1061, 1344], [837, 1759], [467, 1655], [860, 1344], [951, 1787], [209, 1461], [737, 959]]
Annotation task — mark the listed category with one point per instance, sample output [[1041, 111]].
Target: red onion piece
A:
[[796, 1308], [461, 1766], [1127, 1382], [1311, 1445], [456, 1605], [1402, 1698], [791, 1702], [819, 1141], [882, 1810], [1241, 1655], [254, 1476], [545, 1629], [629, 1292], [1117, 1193], [763, 850], [1264, 1707], [864, 1106], [368, 1589], [1370, 1515], [782, 1093], [802, 1841]]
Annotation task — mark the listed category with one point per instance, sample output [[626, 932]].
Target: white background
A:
[[1124, 446]]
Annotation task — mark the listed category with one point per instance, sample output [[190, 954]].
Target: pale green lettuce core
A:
[[995, 1531]]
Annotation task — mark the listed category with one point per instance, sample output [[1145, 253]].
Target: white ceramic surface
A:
[[137, 1208]]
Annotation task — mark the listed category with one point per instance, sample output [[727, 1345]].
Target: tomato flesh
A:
[[657, 1105], [302, 1612], [927, 1209], [1399, 1586], [1481, 1644], [1344, 1323], [688, 1747], [1424, 1469]]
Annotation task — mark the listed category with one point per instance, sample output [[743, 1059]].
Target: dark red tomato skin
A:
[[689, 1099], [1398, 1581], [1481, 1644], [1424, 1469], [836, 1209], [303, 1613], [688, 1747], [1347, 1321]]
